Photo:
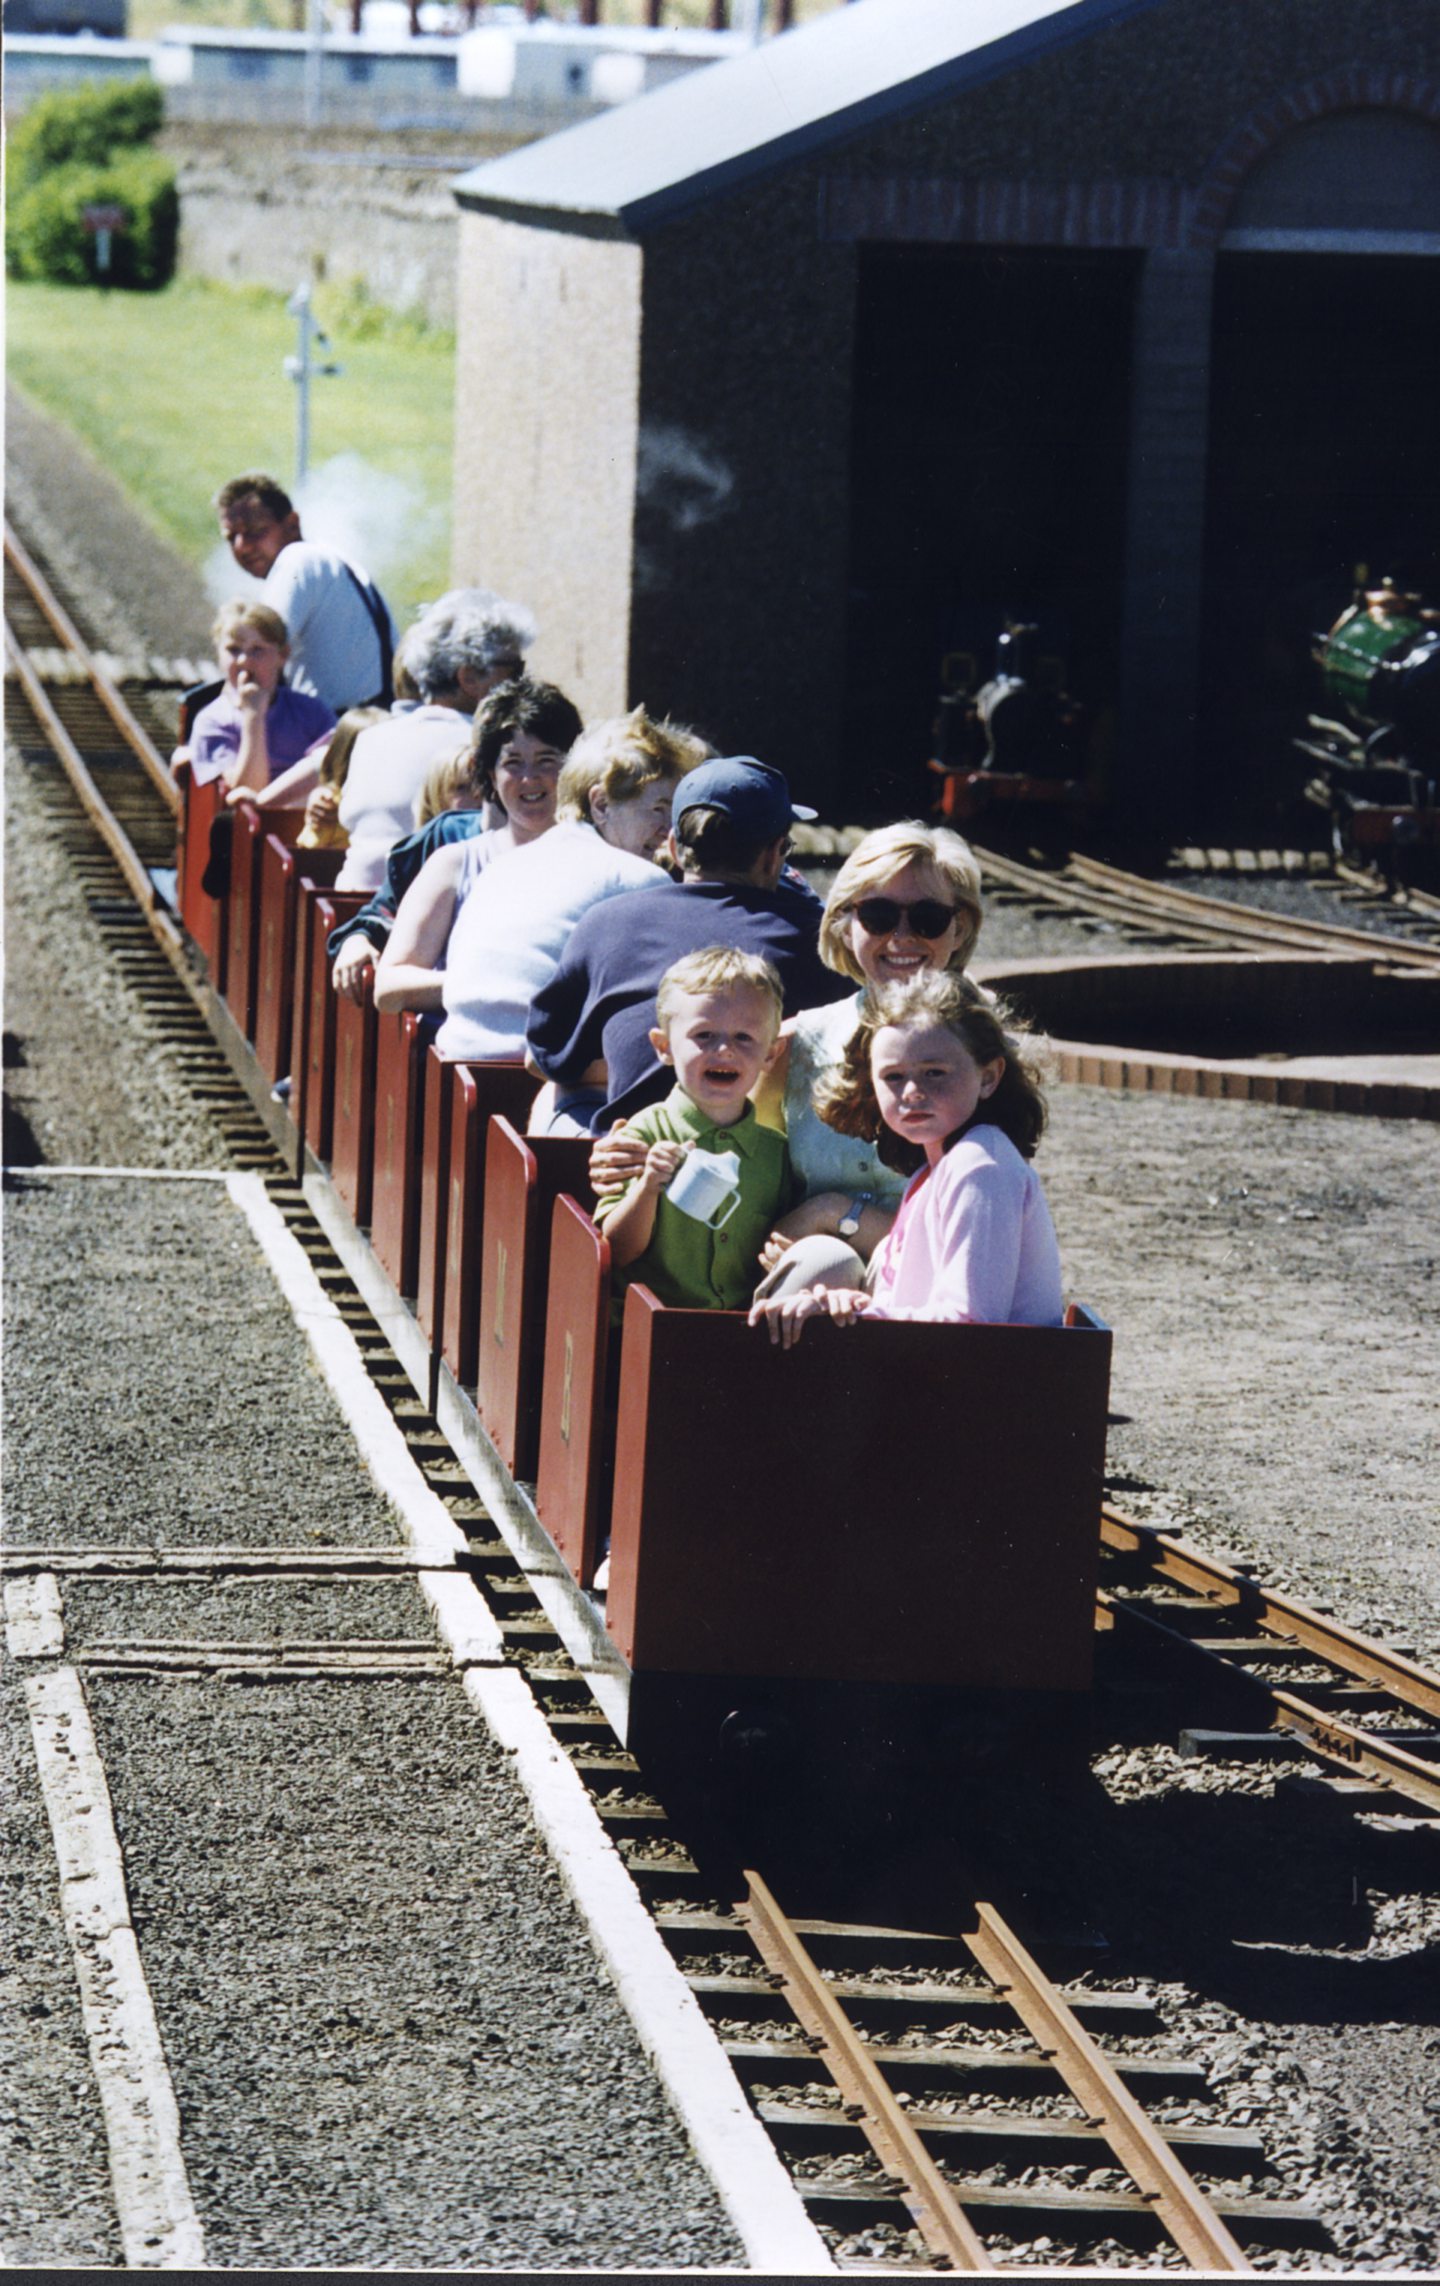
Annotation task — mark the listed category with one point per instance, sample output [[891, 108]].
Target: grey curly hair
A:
[[469, 627]]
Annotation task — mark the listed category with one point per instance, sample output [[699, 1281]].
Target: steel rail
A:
[[1141, 904], [1111, 2113], [1165, 898], [1179, 2206], [51, 609], [1293, 1624], [96, 808], [933, 2206], [1356, 1752]]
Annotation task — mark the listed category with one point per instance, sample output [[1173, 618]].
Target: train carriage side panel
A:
[[281, 871], [352, 1150], [477, 1092], [570, 1493], [203, 915], [244, 904], [399, 1145], [330, 909], [523, 1178], [436, 1084], [934, 1490]]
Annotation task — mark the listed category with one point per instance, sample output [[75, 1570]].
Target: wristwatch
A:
[[849, 1222]]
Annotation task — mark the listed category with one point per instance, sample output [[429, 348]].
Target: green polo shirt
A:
[[687, 1266]]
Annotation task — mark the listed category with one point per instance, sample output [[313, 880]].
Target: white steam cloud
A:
[[683, 482], [681, 486]]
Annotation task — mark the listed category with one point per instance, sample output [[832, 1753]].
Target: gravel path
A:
[[1271, 1276], [390, 2038]]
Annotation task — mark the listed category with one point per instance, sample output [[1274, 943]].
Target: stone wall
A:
[[546, 442], [269, 208]]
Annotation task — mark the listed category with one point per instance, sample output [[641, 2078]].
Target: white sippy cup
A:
[[706, 1186]]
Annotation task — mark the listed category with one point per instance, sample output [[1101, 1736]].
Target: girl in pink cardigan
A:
[[933, 1075]]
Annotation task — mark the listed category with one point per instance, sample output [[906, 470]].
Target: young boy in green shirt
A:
[[718, 1026]]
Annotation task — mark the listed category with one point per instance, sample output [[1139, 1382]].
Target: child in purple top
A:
[[258, 726], [932, 1075]]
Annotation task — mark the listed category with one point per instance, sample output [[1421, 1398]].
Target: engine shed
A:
[[785, 385]]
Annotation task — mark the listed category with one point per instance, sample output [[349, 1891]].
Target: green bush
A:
[[45, 234], [85, 128]]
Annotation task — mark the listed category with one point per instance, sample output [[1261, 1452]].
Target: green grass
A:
[[175, 391]]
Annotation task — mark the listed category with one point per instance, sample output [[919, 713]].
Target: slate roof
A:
[[728, 123]]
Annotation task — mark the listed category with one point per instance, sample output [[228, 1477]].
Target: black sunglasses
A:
[[878, 916]]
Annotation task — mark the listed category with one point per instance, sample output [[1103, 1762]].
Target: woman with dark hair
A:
[[481, 944], [518, 743]]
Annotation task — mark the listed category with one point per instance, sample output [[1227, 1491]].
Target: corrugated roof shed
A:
[[649, 161]]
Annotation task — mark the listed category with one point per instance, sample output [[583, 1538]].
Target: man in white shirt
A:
[[342, 637]]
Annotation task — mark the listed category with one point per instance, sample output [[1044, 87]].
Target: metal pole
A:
[[315, 65], [298, 367]]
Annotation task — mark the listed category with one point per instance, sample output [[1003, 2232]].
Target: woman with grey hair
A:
[[451, 657], [456, 653]]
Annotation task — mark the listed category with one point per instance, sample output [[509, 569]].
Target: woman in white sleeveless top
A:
[[479, 939]]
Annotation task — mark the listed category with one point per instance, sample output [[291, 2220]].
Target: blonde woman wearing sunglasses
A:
[[906, 899]]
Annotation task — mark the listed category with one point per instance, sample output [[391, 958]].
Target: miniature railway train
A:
[[794, 1552], [1378, 744]]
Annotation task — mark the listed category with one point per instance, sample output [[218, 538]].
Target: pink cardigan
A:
[[973, 1242]]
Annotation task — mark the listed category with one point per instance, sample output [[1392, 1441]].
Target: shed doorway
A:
[[991, 420], [1325, 381]]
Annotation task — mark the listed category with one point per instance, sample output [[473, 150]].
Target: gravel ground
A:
[[100, 1089], [336, 1885], [1271, 1276], [390, 2042]]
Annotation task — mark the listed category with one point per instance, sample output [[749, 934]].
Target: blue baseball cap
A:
[[755, 798]]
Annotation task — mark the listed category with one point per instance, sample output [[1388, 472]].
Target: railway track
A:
[[941, 2101], [1161, 913]]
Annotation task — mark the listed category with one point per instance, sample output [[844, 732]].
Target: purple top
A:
[[293, 723]]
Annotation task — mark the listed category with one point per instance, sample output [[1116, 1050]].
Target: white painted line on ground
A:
[[729, 2141], [466, 1623], [129, 1174], [159, 2227], [34, 1618], [436, 1539]]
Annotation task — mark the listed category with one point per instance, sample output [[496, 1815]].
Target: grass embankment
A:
[[175, 391]]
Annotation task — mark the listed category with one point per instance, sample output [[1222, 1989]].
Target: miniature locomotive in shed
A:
[[1011, 751], [888, 1537], [1378, 744]]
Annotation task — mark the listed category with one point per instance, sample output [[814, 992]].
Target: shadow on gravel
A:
[[1300, 1988], [18, 1147], [1262, 1902]]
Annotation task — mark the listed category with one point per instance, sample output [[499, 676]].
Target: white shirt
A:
[[389, 764], [512, 921], [973, 1242], [334, 649]]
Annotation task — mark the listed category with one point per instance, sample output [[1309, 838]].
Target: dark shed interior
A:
[[1324, 457], [991, 433]]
